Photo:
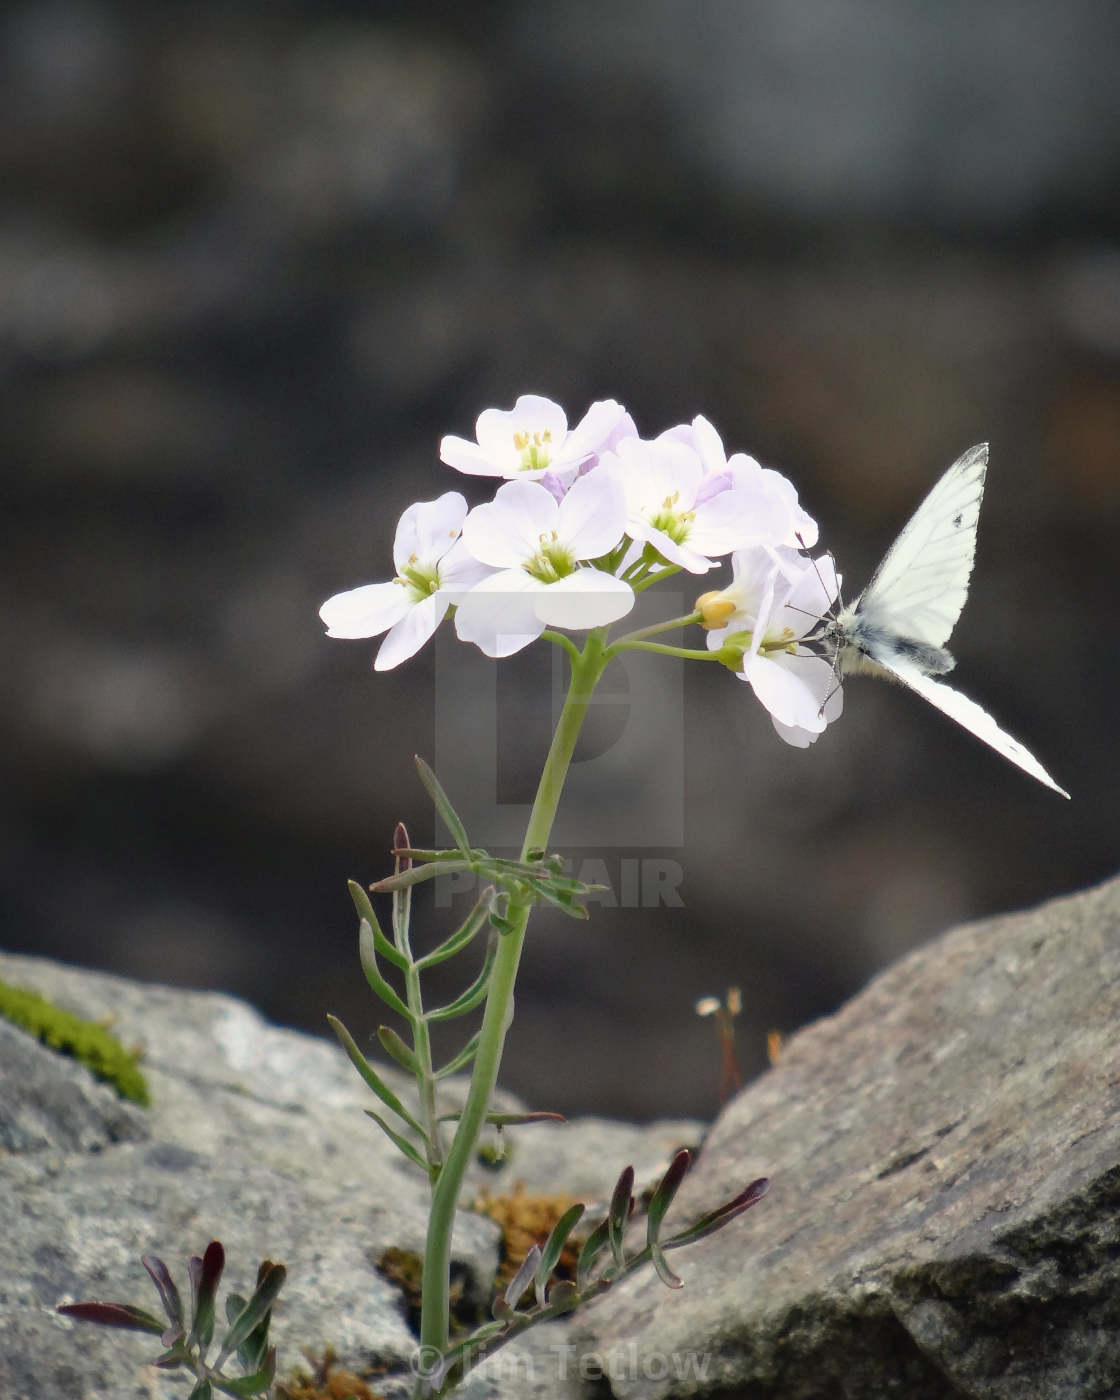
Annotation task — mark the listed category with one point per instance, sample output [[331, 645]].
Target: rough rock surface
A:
[[943, 1222], [255, 1136]]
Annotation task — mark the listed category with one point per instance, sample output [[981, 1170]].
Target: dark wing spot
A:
[[957, 519]]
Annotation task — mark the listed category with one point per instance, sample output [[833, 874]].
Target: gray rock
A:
[[945, 1154], [256, 1136]]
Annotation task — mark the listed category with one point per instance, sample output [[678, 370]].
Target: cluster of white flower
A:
[[586, 518]]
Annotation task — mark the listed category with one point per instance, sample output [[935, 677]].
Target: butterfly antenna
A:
[[834, 611]]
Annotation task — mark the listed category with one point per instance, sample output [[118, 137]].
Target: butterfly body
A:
[[898, 626]]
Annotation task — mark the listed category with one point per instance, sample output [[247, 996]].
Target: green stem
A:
[[586, 670], [644, 632], [689, 653]]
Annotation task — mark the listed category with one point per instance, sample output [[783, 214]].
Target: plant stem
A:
[[587, 667]]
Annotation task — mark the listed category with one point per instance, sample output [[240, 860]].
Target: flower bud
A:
[[714, 608]]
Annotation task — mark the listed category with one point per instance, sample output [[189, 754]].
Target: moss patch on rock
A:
[[87, 1041]]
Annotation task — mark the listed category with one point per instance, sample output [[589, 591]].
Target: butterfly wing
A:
[[919, 589], [967, 712]]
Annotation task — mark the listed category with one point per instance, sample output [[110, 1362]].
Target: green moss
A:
[[101, 1053]]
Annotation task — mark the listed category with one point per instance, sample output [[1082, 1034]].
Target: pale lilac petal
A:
[[587, 598], [813, 594], [793, 688], [407, 636], [592, 516], [498, 616], [712, 485], [669, 549], [497, 428], [708, 445], [367, 611], [467, 457], [734, 519], [595, 431], [427, 530], [460, 571], [508, 529]]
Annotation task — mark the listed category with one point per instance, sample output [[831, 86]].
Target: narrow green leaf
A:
[[205, 1275], [368, 954], [463, 1058], [622, 1203], [554, 1247], [395, 1047], [254, 1312], [663, 1194], [523, 1278], [418, 874], [722, 1215], [113, 1315], [472, 996], [257, 1384], [443, 806], [403, 1143], [593, 1247], [402, 898], [664, 1273], [365, 911], [202, 1391], [370, 1075], [168, 1293], [470, 926], [508, 1120]]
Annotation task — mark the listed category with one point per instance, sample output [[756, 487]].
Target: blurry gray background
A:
[[256, 260]]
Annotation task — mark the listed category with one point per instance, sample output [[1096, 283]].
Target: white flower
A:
[[789, 523], [778, 598], [433, 570], [540, 546], [683, 514], [533, 439]]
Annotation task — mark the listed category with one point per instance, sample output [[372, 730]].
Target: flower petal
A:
[[367, 611], [587, 598], [498, 615], [592, 516], [427, 530], [507, 530], [406, 637]]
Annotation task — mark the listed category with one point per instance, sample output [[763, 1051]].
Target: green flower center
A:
[[534, 449], [671, 520], [552, 560], [420, 581]]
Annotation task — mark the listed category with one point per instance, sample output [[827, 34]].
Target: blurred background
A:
[[256, 259]]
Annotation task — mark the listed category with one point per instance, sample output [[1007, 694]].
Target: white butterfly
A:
[[898, 626]]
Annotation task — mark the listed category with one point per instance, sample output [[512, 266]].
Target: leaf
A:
[[663, 1194], [470, 926], [622, 1203], [254, 1312], [256, 1384], [368, 954], [370, 1075], [402, 898], [472, 996], [418, 874], [403, 1143], [664, 1273], [205, 1274], [365, 911], [593, 1247], [202, 1391], [464, 1057], [168, 1293], [522, 1279], [508, 1120], [396, 1049], [722, 1215], [113, 1315], [443, 806], [554, 1247]]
